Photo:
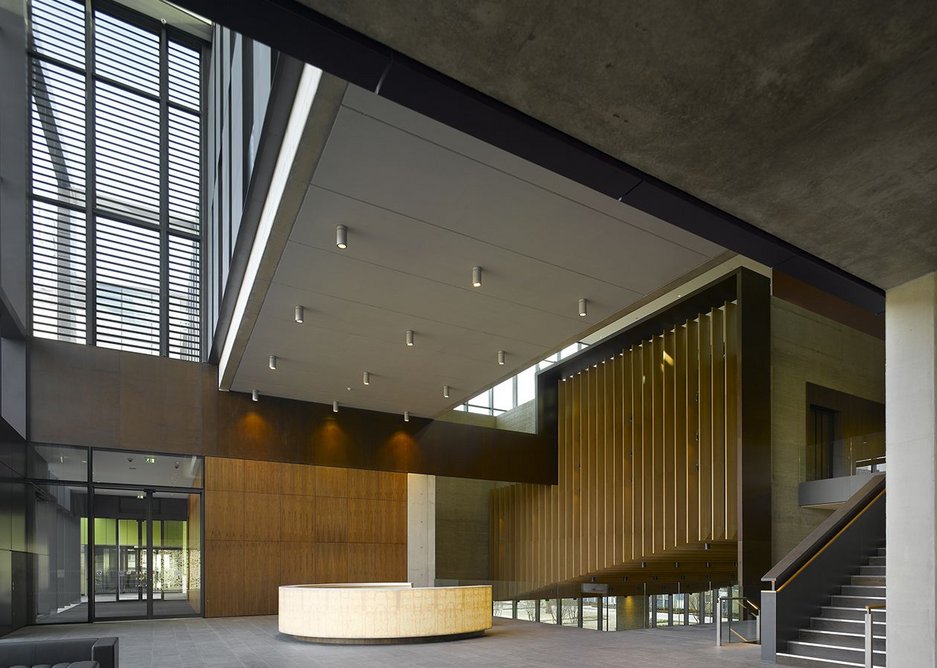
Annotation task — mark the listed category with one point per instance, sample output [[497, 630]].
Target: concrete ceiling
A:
[[815, 121], [423, 204]]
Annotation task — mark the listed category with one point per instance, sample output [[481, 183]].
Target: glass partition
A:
[[56, 527]]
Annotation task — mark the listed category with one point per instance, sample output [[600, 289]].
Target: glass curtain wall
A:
[[103, 550]]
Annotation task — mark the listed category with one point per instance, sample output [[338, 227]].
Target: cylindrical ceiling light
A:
[[299, 314], [409, 337], [366, 378], [341, 236], [255, 396], [445, 391], [406, 416], [582, 307], [501, 357], [335, 407], [272, 362], [476, 277]]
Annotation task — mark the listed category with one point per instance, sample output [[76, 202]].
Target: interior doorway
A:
[[146, 547]]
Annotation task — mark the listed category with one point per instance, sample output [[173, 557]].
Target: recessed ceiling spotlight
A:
[[406, 416], [582, 307], [299, 314], [335, 407], [501, 357], [476, 277], [272, 362], [341, 236], [409, 337], [445, 391], [255, 396], [366, 378]]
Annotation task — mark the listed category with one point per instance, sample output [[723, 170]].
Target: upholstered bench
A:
[[64, 653]]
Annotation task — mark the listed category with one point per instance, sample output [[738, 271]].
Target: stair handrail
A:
[[817, 540], [868, 631]]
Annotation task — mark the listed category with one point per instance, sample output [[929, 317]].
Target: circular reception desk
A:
[[383, 612]]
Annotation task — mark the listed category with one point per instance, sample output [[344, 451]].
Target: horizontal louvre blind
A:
[[184, 171], [184, 294], [59, 278], [127, 293], [185, 85], [127, 153], [122, 270], [58, 30], [126, 54], [58, 130]]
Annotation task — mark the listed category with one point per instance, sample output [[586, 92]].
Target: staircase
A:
[[837, 636]]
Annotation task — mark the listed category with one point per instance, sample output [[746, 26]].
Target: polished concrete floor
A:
[[254, 641]]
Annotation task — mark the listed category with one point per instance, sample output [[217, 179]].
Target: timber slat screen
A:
[[647, 481]]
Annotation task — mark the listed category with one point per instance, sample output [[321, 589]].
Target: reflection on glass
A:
[[502, 609], [527, 610], [176, 554], [57, 462], [570, 614], [56, 517], [132, 468]]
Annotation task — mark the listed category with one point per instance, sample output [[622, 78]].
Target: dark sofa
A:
[[65, 653]]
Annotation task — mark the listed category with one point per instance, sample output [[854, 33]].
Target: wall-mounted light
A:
[[335, 407], [582, 307], [341, 236], [409, 337], [406, 416], [501, 357], [255, 396], [476, 277], [366, 378], [445, 391], [299, 314], [272, 362]]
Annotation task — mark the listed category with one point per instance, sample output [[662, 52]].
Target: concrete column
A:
[[421, 530], [911, 459]]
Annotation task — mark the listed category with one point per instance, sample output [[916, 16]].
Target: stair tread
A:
[[807, 643], [842, 633], [831, 662]]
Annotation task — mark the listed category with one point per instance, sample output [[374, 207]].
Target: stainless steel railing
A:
[[745, 603], [868, 631]]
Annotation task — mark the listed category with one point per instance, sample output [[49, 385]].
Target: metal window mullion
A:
[[90, 179], [163, 193]]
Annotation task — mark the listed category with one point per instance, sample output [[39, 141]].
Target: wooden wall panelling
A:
[[639, 495], [670, 455], [705, 428], [681, 445], [596, 437], [643, 458], [627, 445], [733, 471], [693, 430], [718, 424], [613, 462], [576, 508]]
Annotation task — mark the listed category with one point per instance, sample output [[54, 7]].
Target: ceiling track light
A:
[[445, 391], [272, 362], [341, 236], [582, 307], [409, 337], [335, 407], [366, 378], [501, 357], [299, 314], [255, 396], [406, 416], [476, 277]]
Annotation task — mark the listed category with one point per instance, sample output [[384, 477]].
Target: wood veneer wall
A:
[[648, 468], [268, 524]]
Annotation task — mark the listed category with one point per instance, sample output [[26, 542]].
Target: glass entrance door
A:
[[122, 556], [147, 553]]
